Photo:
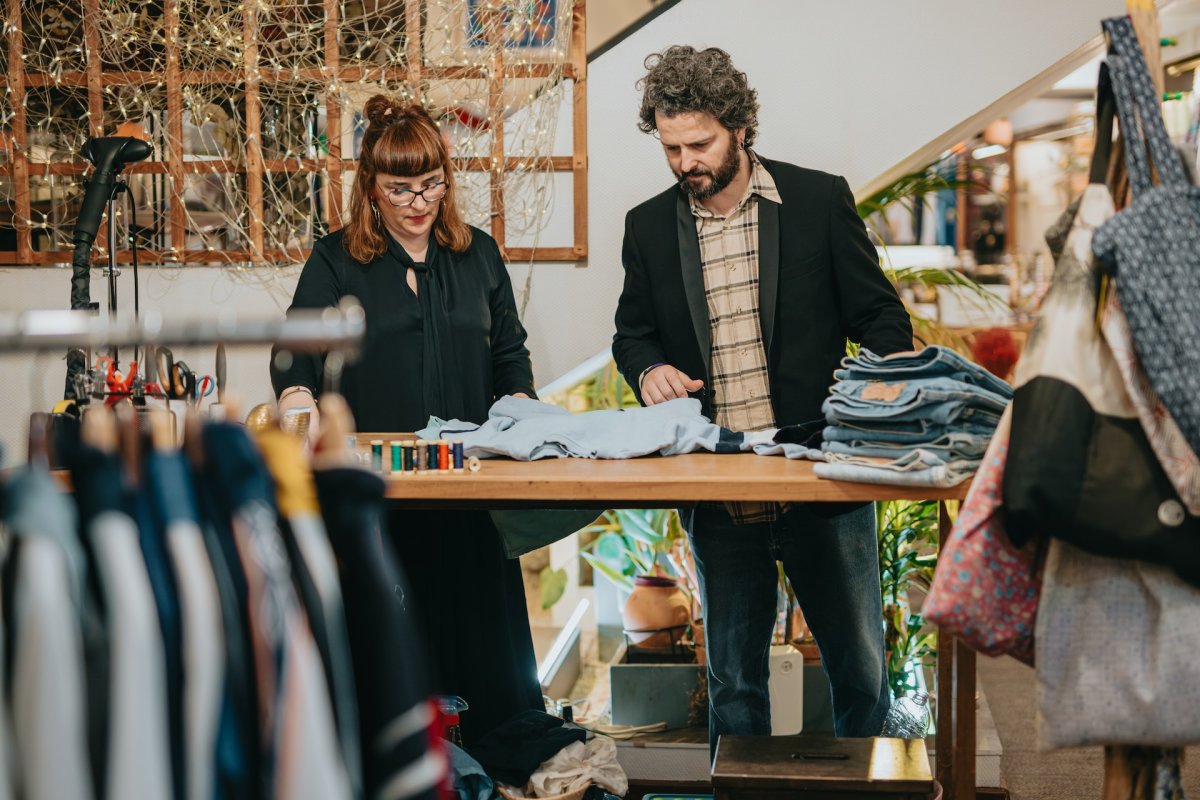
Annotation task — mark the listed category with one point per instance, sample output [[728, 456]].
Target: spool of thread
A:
[[422, 455], [397, 457], [431, 457], [443, 456], [474, 464], [456, 449], [377, 455], [410, 457]]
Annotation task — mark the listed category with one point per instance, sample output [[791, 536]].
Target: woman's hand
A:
[[295, 398]]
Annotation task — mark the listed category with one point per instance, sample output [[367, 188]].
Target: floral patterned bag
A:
[[986, 590]]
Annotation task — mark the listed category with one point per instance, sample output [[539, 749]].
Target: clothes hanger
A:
[[337, 423], [100, 430], [130, 438]]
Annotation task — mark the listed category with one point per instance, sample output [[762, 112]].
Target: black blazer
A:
[[819, 284]]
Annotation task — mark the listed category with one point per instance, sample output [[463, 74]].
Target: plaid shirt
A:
[[741, 388]]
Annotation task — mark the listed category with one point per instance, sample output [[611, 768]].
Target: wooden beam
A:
[[254, 156], [414, 45], [321, 75], [226, 167], [333, 116], [95, 67], [270, 255], [579, 128], [496, 118], [17, 145], [175, 180]]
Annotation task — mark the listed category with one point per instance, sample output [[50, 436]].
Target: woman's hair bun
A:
[[382, 111]]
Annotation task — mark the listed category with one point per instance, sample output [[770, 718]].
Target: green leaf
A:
[[553, 583], [624, 581]]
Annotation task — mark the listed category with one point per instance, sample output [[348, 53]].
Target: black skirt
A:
[[469, 601]]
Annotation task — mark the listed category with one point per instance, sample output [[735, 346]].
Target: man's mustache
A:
[[683, 176]]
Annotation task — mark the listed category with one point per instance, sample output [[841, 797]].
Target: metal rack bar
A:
[[338, 328]]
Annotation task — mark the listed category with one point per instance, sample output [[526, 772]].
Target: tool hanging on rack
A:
[[109, 155]]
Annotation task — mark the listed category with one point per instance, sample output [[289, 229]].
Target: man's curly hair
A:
[[682, 79]]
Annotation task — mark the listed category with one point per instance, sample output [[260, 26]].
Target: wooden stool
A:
[[821, 768]]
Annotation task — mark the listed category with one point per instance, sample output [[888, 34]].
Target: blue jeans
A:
[[833, 564], [948, 447], [913, 433], [933, 361]]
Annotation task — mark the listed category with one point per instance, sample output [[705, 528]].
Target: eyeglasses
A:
[[402, 198]]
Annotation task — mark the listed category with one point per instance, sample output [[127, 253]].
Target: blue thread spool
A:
[[457, 448], [377, 455], [410, 457], [431, 455]]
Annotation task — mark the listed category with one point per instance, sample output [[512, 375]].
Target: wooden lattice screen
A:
[[333, 167]]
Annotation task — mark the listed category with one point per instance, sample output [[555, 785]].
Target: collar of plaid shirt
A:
[[761, 185]]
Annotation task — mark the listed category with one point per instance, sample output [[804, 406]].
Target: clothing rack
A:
[[339, 329]]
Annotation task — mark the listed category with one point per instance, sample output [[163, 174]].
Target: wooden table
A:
[[821, 767], [657, 482]]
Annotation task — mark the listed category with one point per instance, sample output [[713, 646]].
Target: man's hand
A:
[[665, 383]]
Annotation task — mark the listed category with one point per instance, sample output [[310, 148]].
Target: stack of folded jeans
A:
[[920, 419]]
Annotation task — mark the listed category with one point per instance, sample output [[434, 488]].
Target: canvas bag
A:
[[1118, 643], [1088, 473], [1153, 246], [985, 590]]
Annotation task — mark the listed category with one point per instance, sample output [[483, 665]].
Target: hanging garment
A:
[[395, 713], [139, 758], [315, 572], [170, 490], [1088, 474], [7, 771], [165, 589], [237, 772], [298, 736], [1152, 246], [985, 590], [43, 579], [1117, 642]]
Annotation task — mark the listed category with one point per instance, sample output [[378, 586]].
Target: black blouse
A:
[[450, 351]]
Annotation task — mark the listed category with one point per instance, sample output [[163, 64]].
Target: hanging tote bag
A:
[[1153, 246], [985, 590], [1118, 643], [1083, 469]]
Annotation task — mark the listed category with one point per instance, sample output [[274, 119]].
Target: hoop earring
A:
[[375, 213]]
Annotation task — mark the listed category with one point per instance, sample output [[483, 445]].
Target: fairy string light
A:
[[296, 90]]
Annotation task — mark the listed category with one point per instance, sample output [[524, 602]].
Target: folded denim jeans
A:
[[933, 406], [948, 447], [913, 433], [939, 476], [933, 361]]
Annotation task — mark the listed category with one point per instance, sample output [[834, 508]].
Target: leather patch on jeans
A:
[[887, 392]]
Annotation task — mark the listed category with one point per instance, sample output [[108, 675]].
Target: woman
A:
[[442, 338]]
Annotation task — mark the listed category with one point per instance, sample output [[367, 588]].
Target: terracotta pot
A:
[[655, 604]]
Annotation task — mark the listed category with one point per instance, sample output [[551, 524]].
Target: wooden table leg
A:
[[945, 741], [955, 741]]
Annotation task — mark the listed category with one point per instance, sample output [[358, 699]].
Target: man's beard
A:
[[717, 180]]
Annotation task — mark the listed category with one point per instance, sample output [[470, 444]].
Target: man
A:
[[742, 284]]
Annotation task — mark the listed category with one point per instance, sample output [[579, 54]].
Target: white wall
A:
[[859, 87]]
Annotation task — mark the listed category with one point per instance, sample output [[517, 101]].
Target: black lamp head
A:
[[109, 155]]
